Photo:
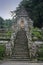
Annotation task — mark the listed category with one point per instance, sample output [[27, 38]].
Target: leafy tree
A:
[[8, 23], [1, 22], [35, 11]]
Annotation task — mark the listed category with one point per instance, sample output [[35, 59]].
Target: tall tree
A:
[[1, 22], [35, 11], [8, 23]]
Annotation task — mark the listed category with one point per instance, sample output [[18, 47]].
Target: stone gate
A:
[[22, 28]]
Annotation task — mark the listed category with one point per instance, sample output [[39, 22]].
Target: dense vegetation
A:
[[2, 51], [1, 22], [35, 11], [37, 34], [40, 53], [5, 23]]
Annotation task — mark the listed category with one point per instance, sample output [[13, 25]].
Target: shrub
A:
[[2, 51], [36, 33], [40, 53]]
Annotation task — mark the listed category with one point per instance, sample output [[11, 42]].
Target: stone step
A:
[[20, 41], [19, 59], [22, 34], [21, 46], [16, 57], [21, 38], [21, 50], [18, 47], [20, 55]]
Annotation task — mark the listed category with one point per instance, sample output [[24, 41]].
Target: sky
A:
[[6, 6]]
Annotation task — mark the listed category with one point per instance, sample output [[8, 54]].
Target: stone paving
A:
[[19, 63]]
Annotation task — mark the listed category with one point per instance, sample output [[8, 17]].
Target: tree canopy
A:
[[5, 23], [1, 22], [35, 11]]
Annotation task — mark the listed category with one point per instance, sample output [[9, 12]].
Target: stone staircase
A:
[[21, 51]]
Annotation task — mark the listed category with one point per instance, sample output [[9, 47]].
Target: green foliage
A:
[[40, 58], [2, 51], [8, 23], [9, 33], [40, 53], [2, 22], [35, 11], [5, 23], [37, 33]]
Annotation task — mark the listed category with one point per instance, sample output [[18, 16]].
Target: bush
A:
[[2, 51], [40, 53], [37, 34], [40, 59]]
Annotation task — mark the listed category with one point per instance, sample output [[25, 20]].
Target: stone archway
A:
[[22, 23]]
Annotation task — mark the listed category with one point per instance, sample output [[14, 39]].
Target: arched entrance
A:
[[22, 37], [22, 24]]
